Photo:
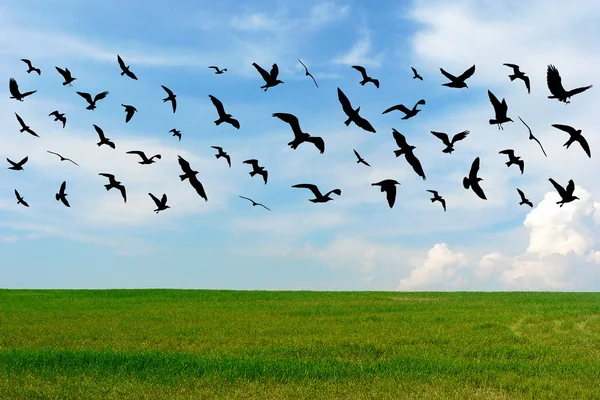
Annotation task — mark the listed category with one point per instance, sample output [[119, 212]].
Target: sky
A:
[[355, 242]]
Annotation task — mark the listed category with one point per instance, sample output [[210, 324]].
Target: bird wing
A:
[[198, 186], [265, 75], [100, 132], [163, 199], [20, 120], [220, 149], [570, 130], [139, 153], [63, 186], [306, 69], [110, 177], [447, 75], [561, 191], [86, 96], [185, 166], [400, 139], [247, 198], [130, 74], [252, 162], [265, 175], [433, 191], [390, 194], [399, 107], [123, 192], [364, 124], [264, 206], [129, 115], [13, 87], [274, 71], [100, 96], [23, 161], [467, 74], [554, 82], [228, 158], [509, 152], [17, 194], [218, 105], [495, 103], [311, 187], [474, 170], [415, 164], [156, 201], [362, 71], [174, 105], [318, 142], [584, 144], [527, 83], [579, 90], [414, 71], [293, 121], [334, 191], [61, 71], [513, 66], [478, 190], [357, 155], [234, 122], [443, 203], [346, 106], [51, 152], [460, 136], [521, 194], [26, 61], [167, 90], [215, 67], [443, 137], [571, 187], [121, 63]]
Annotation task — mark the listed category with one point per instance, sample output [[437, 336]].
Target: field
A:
[[188, 344]]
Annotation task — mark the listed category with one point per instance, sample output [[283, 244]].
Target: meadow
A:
[[196, 344]]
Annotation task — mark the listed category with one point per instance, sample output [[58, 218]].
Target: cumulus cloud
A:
[[440, 268]]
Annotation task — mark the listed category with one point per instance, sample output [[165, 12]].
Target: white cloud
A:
[[361, 52], [9, 238], [439, 269]]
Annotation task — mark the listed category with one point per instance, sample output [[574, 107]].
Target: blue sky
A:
[[352, 243]]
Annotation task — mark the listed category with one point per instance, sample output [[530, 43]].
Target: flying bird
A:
[[176, 133], [270, 78], [223, 154], [20, 199], [389, 187], [500, 109], [114, 184], [299, 136], [66, 74], [524, 200], [365, 77], [518, 74], [59, 117], [473, 180], [145, 160], [576, 136], [125, 68], [62, 158], [13, 87], [360, 159], [531, 137], [129, 111], [319, 198], [566, 195], [408, 153], [255, 203], [257, 170], [103, 139], [416, 74], [217, 70], [17, 166], [308, 73], [450, 143], [171, 97], [31, 67], [512, 159], [25, 128], [190, 174], [458, 81], [405, 110], [223, 116], [88, 98], [556, 88], [160, 204], [437, 197], [352, 114], [61, 195]]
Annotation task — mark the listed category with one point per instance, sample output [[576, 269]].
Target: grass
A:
[[184, 344]]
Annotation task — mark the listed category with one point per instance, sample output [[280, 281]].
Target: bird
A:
[[556, 88], [223, 154], [437, 197], [458, 81], [20, 199], [500, 109], [114, 184], [257, 170], [566, 195], [523, 199], [513, 160], [103, 139], [360, 159], [270, 78], [160, 204], [176, 133], [59, 117], [255, 203], [576, 136], [450, 143], [88, 98], [145, 160], [319, 198], [299, 136], [217, 70], [518, 74], [365, 77], [31, 67], [13, 87], [473, 180], [308, 73], [405, 110], [352, 114], [171, 97], [408, 153], [66, 74], [62, 158], [125, 69], [25, 128], [129, 111], [389, 187], [223, 116], [531, 137], [416, 74], [190, 174], [17, 166], [61, 195]]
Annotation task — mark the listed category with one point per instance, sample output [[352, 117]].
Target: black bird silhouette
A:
[[113, 183], [405, 110], [13, 87], [125, 68], [255, 203], [556, 88], [270, 78], [450, 143], [145, 160], [576, 136], [31, 67], [62, 158], [129, 111], [365, 77], [20, 199], [531, 137], [176, 133], [360, 159], [437, 197], [473, 180], [299, 136], [518, 74], [103, 139], [408, 153], [160, 204], [59, 117], [171, 97], [190, 174], [17, 166], [221, 153], [353, 114], [319, 198], [61, 195], [458, 81], [217, 70], [88, 98], [389, 187], [512, 159], [223, 116], [25, 128], [523, 199], [257, 170], [66, 74], [500, 109], [416, 74], [566, 195], [308, 73]]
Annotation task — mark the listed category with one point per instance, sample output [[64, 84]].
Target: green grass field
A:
[[186, 344]]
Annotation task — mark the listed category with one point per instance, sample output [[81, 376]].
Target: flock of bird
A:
[[471, 181]]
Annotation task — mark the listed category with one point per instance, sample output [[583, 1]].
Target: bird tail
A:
[[347, 122], [107, 186], [398, 153], [252, 173], [512, 77], [218, 122], [507, 163], [122, 73], [90, 107], [493, 121], [183, 177], [99, 143], [448, 150], [363, 82], [432, 200], [218, 155], [466, 182], [57, 196], [165, 99]]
